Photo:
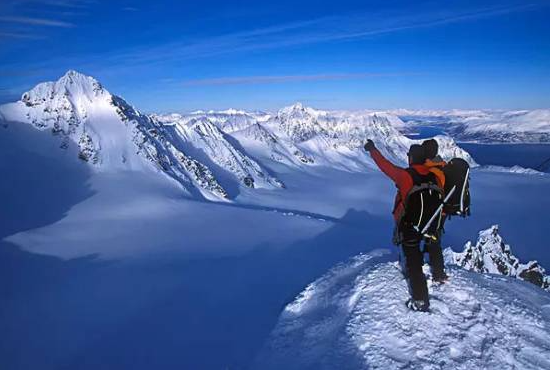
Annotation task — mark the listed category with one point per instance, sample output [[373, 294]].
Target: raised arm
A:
[[394, 172]]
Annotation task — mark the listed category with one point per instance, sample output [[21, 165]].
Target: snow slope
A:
[[114, 136], [111, 135], [211, 146], [354, 317]]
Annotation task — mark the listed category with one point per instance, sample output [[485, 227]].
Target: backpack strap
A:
[[414, 176], [439, 176], [419, 179]]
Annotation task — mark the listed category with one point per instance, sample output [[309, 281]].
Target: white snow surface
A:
[[355, 317]]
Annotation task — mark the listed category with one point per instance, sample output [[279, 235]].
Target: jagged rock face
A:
[[279, 149], [231, 120], [63, 106], [205, 137], [300, 123], [491, 255], [299, 135], [111, 134]]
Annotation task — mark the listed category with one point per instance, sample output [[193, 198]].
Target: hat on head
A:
[[416, 154], [431, 148]]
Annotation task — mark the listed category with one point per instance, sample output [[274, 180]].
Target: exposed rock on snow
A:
[[300, 123], [214, 146], [333, 138], [279, 149], [354, 317], [492, 255], [113, 135]]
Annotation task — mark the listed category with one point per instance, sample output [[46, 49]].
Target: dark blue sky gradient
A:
[[181, 55]]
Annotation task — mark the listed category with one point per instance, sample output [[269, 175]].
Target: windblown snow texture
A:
[[355, 317], [491, 255]]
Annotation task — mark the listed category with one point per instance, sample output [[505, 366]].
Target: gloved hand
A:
[[369, 145]]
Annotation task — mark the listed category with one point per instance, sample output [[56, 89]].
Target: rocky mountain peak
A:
[[492, 255]]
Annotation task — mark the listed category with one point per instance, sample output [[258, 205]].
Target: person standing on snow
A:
[[435, 163], [412, 257]]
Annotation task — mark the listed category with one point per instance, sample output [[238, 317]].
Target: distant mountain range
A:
[[210, 152], [482, 126]]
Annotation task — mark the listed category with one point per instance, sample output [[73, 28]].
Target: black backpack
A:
[[458, 202], [423, 205]]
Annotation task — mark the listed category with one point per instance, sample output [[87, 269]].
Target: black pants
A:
[[413, 260]]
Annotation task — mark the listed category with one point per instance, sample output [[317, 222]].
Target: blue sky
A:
[[181, 55]]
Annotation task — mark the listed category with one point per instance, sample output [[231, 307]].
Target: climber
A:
[[435, 163], [417, 213]]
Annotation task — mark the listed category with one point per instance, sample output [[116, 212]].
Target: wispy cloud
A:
[[70, 3], [76, 4], [280, 36], [36, 21], [313, 31], [15, 35], [251, 80]]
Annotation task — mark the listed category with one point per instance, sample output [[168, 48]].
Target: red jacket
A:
[[401, 178]]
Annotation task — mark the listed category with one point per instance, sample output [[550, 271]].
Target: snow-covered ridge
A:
[[203, 151], [354, 317], [492, 255], [112, 135], [300, 135]]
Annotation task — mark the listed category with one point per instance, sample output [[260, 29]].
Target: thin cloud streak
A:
[[256, 80], [36, 21], [278, 36], [75, 4], [13, 35], [305, 32]]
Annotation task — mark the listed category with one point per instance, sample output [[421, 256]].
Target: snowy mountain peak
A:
[[492, 255], [74, 77], [298, 110], [300, 123], [297, 105], [71, 86], [230, 111]]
